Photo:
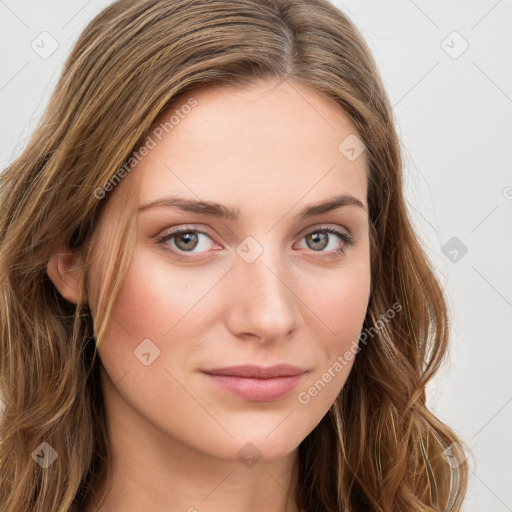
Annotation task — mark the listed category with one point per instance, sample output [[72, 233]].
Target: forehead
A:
[[271, 143]]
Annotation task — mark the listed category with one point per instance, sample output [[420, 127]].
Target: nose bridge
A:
[[263, 302]]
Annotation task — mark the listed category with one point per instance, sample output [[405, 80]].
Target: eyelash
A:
[[345, 237]]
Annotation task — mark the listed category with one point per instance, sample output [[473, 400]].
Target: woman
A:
[[212, 295]]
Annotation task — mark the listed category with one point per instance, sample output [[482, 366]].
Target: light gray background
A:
[[453, 111]]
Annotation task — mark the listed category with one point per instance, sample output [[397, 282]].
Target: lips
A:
[[259, 372], [257, 383]]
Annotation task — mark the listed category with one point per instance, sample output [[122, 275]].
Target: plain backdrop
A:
[[447, 66]]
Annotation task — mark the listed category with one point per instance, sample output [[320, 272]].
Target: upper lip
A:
[[258, 372]]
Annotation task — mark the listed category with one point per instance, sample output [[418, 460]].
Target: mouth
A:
[[257, 383]]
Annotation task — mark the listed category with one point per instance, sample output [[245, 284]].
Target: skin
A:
[[175, 436]]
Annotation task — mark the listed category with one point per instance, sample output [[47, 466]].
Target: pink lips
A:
[[257, 383]]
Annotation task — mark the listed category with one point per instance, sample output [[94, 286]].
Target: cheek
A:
[[156, 297], [340, 301], [336, 358], [337, 308], [158, 302]]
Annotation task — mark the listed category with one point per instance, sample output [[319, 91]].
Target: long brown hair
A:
[[379, 448]]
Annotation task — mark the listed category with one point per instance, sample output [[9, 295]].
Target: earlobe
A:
[[64, 269]]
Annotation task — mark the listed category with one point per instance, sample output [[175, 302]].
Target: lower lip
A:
[[257, 390]]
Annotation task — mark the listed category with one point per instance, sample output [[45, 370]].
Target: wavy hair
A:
[[379, 448]]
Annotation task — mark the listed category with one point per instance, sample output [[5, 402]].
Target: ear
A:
[[64, 270]]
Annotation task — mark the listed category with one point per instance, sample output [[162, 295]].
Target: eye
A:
[[323, 237], [186, 240]]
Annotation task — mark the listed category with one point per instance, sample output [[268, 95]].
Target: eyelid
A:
[[320, 227], [180, 228]]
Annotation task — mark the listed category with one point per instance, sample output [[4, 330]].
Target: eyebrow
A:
[[220, 211]]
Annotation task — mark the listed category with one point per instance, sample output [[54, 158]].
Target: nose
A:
[[262, 303]]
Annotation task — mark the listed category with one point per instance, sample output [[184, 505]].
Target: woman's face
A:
[[270, 287]]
